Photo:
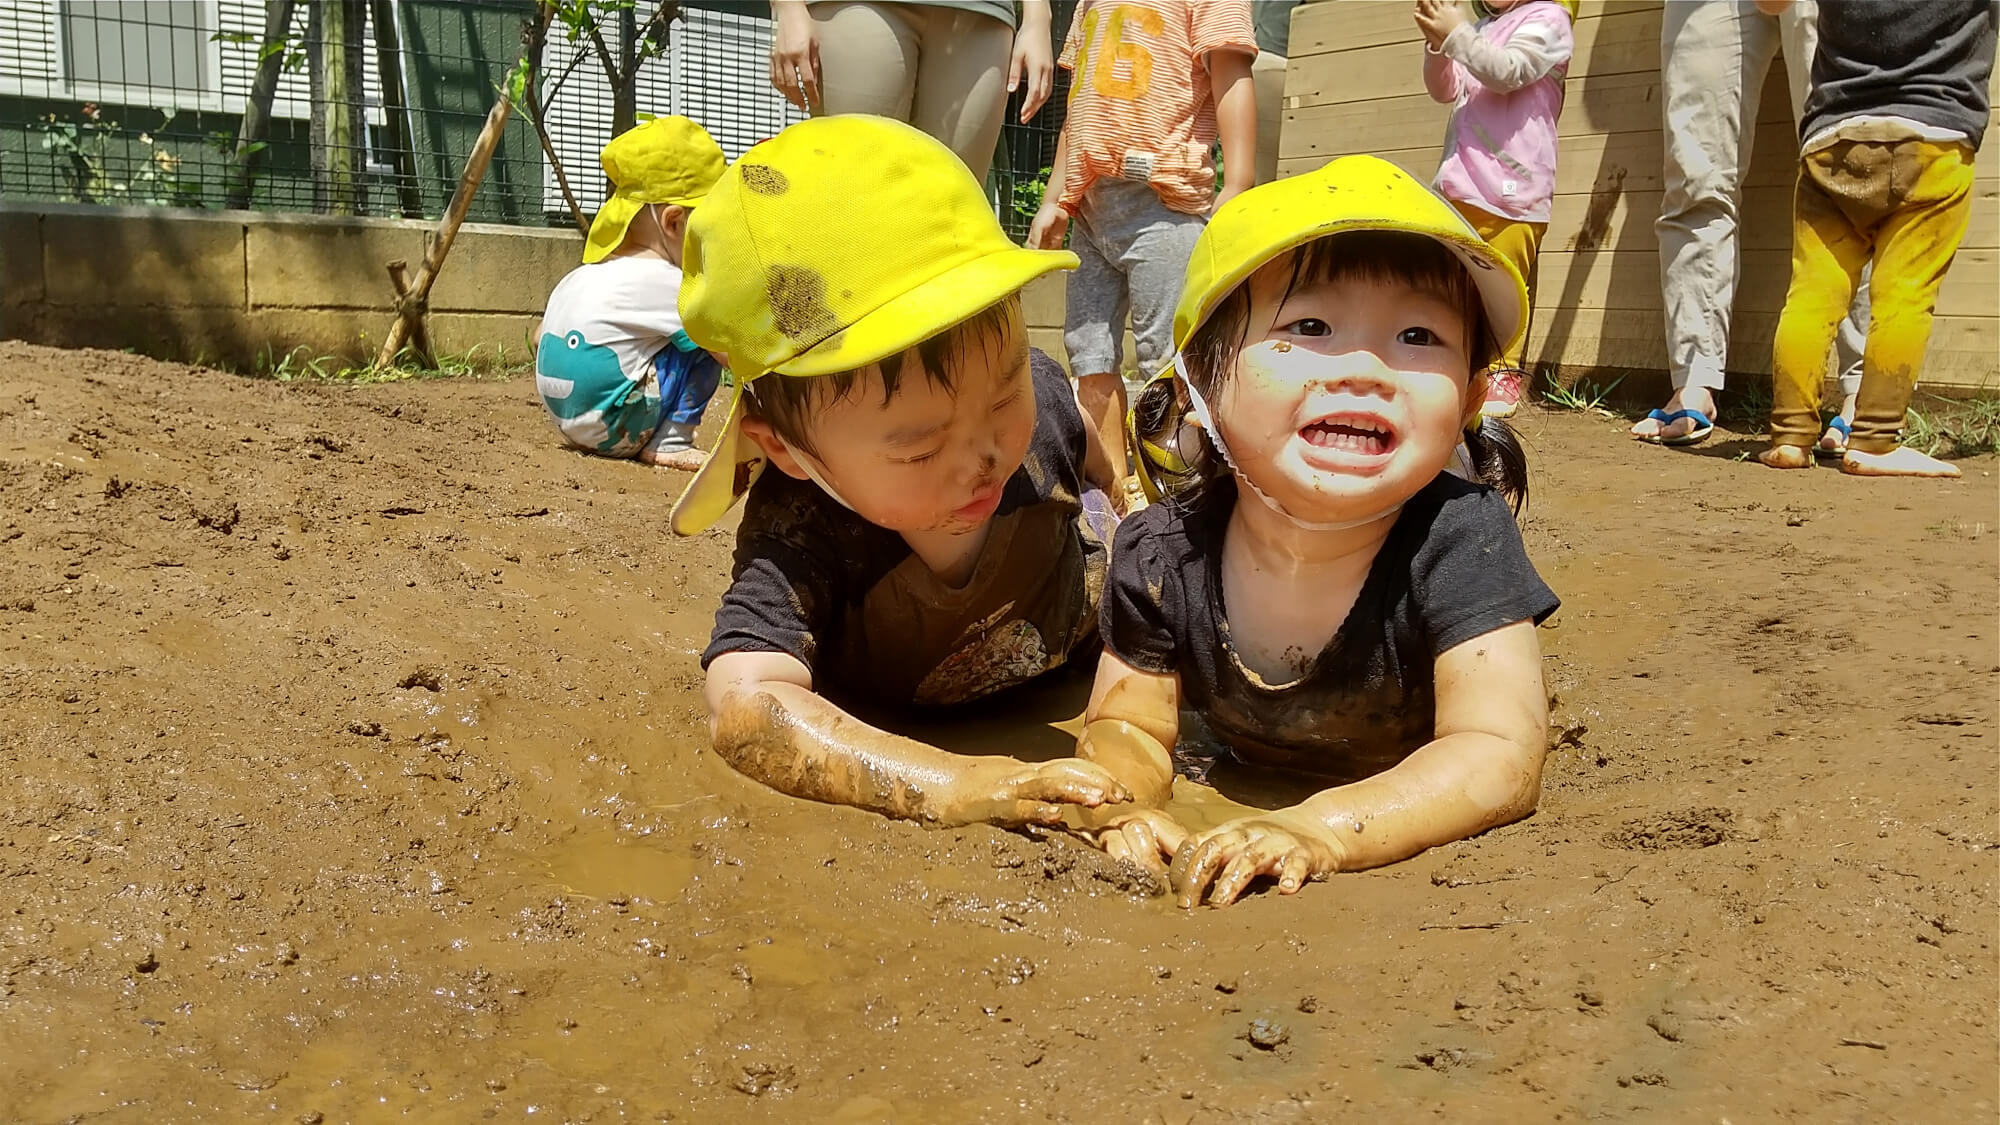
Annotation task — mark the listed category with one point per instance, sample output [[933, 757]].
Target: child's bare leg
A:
[[1101, 397], [1901, 461], [686, 460]]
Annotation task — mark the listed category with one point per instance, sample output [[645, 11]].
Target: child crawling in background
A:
[[614, 369], [1317, 586], [926, 538]]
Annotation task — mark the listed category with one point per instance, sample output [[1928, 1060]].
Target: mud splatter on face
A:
[[798, 303], [765, 180]]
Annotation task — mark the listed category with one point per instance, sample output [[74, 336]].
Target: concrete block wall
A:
[[243, 288]]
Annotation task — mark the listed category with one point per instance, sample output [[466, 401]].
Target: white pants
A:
[[1714, 56]]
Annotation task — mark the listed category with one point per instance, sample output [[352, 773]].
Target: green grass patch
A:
[[1954, 427], [1584, 394], [300, 365]]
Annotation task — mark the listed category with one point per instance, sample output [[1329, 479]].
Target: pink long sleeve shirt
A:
[[1504, 77]]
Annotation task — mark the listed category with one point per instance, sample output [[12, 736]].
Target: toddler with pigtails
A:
[[1313, 580]]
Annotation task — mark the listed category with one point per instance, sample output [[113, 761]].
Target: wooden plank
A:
[[1614, 45], [1614, 103], [1962, 351], [1622, 40], [1630, 161], [1630, 279], [1625, 220], [1342, 25]]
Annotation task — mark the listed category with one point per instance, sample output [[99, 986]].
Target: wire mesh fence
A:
[[370, 107]]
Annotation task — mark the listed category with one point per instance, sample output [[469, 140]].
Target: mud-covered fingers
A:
[[1198, 860], [1138, 842], [1069, 781], [1262, 856], [1293, 871]]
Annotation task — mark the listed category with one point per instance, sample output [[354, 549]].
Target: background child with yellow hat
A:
[[1318, 586], [927, 537], [618, 375]]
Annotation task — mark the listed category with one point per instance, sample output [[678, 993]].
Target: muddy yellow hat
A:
[[1348, 193], [665, 160], [835, 244]]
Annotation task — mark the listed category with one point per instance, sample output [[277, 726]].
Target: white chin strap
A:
[[1207, 419], [813, 471]]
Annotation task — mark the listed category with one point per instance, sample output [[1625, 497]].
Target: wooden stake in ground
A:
[[413, 302]]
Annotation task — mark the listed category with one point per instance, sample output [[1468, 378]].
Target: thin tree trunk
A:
[[395, 111], [257, 116], [316, 79]]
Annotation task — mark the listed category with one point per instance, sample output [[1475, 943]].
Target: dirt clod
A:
[[1690, 828]]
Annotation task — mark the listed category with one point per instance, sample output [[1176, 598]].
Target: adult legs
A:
[[1267, 74], [1714, 55], [867, 58], [961, 91]]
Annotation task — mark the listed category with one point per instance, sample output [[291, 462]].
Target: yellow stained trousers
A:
[[1902, 204], [1519, 243]]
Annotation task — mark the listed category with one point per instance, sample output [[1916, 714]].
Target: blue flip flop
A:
[[1703, 426], [1846, 431]]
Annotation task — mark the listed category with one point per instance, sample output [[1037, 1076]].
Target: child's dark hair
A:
[[788, 403], [1210, 355]]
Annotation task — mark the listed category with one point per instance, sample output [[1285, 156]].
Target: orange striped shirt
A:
[[1140, 103]]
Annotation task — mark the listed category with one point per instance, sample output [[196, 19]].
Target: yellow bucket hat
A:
[[837, 243], [1344, 194], [665, 160]]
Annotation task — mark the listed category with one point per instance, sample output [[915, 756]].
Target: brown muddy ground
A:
[[351, 769]]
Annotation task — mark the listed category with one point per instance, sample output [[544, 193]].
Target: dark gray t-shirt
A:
[[858, 607], [1927, 60], [1453, 568]]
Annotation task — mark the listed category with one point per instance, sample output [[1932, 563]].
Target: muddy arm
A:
[[1133, 718], [767, 723], [1483, 768]]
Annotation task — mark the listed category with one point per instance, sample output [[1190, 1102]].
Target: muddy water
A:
[[352, 768]]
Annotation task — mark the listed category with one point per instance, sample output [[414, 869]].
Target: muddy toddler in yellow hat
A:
[[916, 529], [1317, 583]]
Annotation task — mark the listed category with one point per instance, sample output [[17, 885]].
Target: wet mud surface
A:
[[352, 769]]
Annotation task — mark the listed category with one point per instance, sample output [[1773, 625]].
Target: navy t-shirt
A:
[[858, 607], [1453, 568]]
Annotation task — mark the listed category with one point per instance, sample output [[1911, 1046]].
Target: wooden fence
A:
[[1355, 84]]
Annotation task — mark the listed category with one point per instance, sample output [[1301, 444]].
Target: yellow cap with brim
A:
[[1351, 193], [665, 160], [836, 244]]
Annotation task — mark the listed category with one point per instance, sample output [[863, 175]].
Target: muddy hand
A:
[[1224, 861], [1147, 837], [1008, 792]]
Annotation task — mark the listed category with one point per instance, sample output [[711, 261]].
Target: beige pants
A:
[[943, 70], [1268, 75]]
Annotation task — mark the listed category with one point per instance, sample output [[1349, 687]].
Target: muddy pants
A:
[[1714, 55], [1520, 243], [1903, 205]]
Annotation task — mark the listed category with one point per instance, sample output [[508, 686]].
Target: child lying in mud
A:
[[926, 538], [1317, 585]]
